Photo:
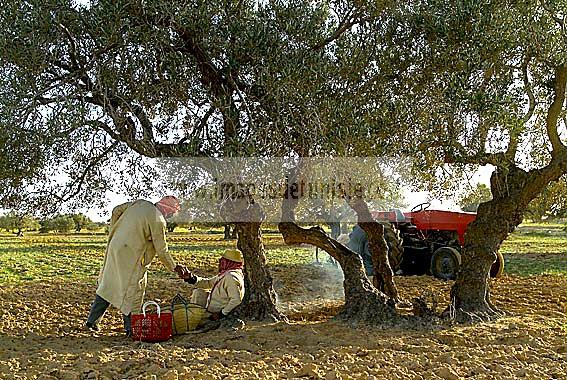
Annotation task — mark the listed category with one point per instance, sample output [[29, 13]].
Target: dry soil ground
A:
[[41, 336]]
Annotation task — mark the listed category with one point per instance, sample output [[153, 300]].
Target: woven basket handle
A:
[[178, 299], [148, 304]]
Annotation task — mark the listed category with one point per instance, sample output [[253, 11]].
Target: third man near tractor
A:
[[358, 242], [137, 235]]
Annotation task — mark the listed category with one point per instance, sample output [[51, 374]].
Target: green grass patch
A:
[[536, 265], [290, 256], [536, 249], [36, 257], [24, 262], [531, 250], [542, 225], [538, 242]]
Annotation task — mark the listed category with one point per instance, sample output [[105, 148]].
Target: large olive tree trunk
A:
[[259, 301], [260, 298], [512, 190], [363, 302]]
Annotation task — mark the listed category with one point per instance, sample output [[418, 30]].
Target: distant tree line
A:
[[19, 223], [62, 223]]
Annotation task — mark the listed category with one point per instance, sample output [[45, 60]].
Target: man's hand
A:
[[185, 274], [216, 316], [182, 272]]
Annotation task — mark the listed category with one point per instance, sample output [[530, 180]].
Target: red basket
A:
[[152, 328]]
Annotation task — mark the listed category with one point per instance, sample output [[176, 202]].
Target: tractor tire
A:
[[445, 263], [498, 267], [395, 248]]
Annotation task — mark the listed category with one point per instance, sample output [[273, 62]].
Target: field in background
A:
[[79, 256], [531, 250], [536, 249]]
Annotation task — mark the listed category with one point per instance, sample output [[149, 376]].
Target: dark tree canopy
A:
[[89, 87]]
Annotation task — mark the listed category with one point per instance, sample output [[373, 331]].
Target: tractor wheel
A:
[[445, 263], [498, 267], [395, 248]]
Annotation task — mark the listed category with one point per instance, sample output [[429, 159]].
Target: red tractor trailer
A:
[[431, 240]]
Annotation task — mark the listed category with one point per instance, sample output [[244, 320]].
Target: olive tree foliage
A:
[[551, 204], [470, 201], [490, 80], [86, 88], [104, 87]]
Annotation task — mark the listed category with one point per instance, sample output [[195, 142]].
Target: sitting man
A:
[[220, 294]]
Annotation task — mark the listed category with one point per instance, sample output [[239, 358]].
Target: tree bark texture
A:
[[260, 298], [259, 301], [512, 190], [383, 275]]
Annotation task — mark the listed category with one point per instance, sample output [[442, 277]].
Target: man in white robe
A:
[[137, 235]]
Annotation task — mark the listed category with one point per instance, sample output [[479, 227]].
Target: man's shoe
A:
[[91, 327]]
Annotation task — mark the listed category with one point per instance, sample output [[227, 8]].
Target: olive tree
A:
[[490, 80], [99, 88], [18, 222]]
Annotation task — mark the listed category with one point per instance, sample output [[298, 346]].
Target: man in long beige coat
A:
[[137, 235]]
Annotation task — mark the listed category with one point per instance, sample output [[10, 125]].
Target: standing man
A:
[[358, 242], [137, 234]]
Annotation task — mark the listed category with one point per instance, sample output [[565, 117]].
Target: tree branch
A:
[[383, 274], [211, 76], [202, 123], [81, 180], [515, 133], [555, 109], [553, 14], [73, 46], [151, 149], [147, 127], [293, 193], [343, 26], [97, 124], [529, 90], [482, 135]]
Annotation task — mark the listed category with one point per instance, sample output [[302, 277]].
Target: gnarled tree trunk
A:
[[512, 191], [260, 298], [363, 302], [383, 275], [259, 301]]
